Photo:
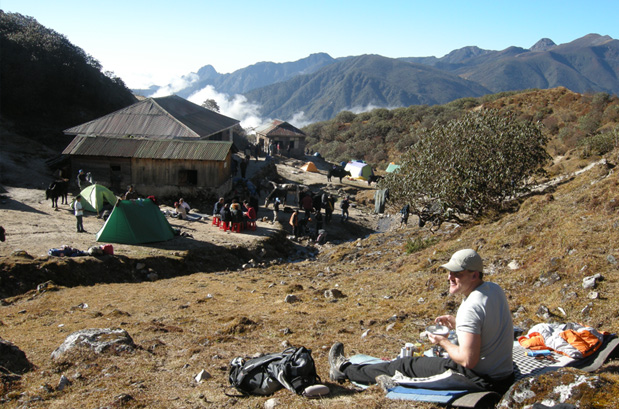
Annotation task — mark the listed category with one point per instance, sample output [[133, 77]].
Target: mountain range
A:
[[320, 86]]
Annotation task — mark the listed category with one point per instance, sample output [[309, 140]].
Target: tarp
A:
[[359, 170], [95, 196], [392, 167], [135, 222], [309, 167]]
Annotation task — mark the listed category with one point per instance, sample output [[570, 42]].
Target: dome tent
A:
[[135, 222], [359, 170], [96, 196], [309, 167]]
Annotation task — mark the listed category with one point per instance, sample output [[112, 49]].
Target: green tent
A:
[[135, 222], [392, 167], [95, 196]]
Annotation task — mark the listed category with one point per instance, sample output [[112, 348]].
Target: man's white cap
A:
[[466, 259]]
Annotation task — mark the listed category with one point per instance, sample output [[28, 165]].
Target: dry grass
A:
[[202, 321]]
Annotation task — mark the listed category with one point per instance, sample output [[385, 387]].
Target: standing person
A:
[[294, 222], [244, 167], [307, 203], [79, 214], [234, 167], [276, 204], [318, 221], [131, 194], [483, 326], [327, 203], [404, 215], [82, 182], [344, 206]]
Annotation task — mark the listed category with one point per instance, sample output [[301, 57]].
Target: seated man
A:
[[184, 204], [483, 326], [250, 214], [218, 206], [180, 211]]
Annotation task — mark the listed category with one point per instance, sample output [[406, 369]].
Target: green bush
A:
[[469, 165]]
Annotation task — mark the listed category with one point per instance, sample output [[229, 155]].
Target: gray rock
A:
[[63, 383], [291, 298], [334, 293], [98, 340], [140, 266]]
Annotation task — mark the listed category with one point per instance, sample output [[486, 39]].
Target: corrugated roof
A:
[[278, 128], [148, 148], [170, 117]]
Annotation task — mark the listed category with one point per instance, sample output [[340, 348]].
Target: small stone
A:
[[365, 333], [591, 281], [63, 383], [611, 259], [390, 326], [202, 376], [291, 298], [271, 403], [152, 276], [593, 295], [334, 293], [513, 265], [140, 266]]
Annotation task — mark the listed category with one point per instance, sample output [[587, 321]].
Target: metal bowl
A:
[[438, 330]]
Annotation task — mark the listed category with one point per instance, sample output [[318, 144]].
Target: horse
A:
[[280, 193], [338, 173], [58, 188]]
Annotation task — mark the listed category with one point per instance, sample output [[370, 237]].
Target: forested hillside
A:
[[570, 120], [49, 84]]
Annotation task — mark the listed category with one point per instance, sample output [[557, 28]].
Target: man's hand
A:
[[447, 320]]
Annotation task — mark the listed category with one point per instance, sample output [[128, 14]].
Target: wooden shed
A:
[[162, 146], [158, 167], [291, 140]]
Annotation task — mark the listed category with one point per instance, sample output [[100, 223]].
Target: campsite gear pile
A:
[[292, 369], [570, 339], [66, 251]]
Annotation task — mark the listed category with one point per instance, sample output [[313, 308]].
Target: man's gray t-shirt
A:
[[485, 311]]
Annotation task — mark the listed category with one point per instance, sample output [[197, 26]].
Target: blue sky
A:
[[154, 41]]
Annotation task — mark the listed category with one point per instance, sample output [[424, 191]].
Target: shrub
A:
[[469, 165]]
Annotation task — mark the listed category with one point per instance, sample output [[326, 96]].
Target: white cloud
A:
[[236, 107], [175, 85]]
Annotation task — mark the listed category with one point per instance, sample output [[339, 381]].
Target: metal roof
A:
[[278, 128], [148, 148], [170, 117]]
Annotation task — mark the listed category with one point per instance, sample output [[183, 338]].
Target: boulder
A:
[[97, 340]]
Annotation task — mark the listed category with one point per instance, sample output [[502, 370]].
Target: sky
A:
[[154, 42], [161, 43]]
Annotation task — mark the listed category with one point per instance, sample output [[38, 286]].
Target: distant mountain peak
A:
[[543, 45]]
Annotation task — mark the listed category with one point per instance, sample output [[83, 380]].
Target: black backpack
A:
[[292, 369]]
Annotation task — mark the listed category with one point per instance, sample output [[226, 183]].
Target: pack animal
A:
[[338, 173], [58, 189], [375, 179], [280, 193]]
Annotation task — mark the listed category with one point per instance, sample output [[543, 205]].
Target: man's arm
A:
[[466, 353]]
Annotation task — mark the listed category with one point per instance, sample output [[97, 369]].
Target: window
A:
[[187, 177]]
